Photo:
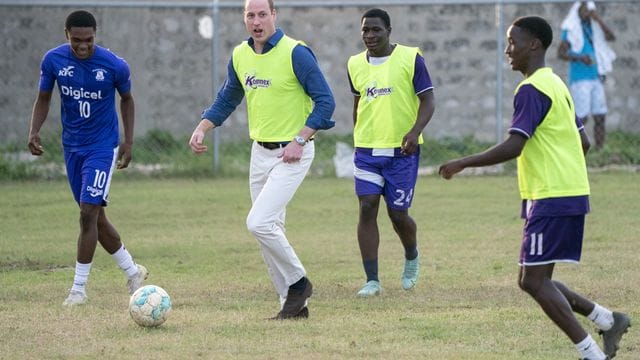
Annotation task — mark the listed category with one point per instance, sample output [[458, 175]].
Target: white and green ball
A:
[[150, 306]]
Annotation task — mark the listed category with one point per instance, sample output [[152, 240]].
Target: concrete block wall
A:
[[171, 61]]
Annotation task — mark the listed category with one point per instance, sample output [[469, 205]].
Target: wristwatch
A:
[[300, 140]]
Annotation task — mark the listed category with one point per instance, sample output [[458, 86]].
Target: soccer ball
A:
[[149, 306]]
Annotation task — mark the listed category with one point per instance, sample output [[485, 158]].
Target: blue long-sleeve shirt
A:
[[306, 70]]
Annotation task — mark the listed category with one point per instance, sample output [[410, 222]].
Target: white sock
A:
[[589, 349], [125, 261], [81, 277], [602, 317]]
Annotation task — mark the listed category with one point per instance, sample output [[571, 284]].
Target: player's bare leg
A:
[[87, 242], [107, 234], [406, 229], [368, 233], [536, 281], [369, 241], [612, 325], [404, 226], [578, 303], [110, 240], [88, 238]]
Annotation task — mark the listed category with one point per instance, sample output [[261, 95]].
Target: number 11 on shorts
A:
[[536, 244]]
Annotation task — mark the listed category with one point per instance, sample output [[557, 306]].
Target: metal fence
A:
[[463, 42]]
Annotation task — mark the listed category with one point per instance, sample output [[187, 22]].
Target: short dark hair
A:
[[536, 26], [378, 13], [80, 18]]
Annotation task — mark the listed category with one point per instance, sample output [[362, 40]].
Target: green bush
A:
[[621, 148], [160, 154]]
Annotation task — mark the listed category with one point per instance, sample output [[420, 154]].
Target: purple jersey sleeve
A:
[[421, 78], [579, 124], [530, 108], [353, 90]]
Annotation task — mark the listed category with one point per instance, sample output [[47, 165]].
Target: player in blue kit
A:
[[549, 143], [88, 76]]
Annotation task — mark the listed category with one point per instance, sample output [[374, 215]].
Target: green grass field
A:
[[191, 235]]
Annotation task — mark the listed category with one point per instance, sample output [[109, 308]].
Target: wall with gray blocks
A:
[[171, 62]]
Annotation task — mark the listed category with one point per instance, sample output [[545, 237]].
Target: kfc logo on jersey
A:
[[66, 71]]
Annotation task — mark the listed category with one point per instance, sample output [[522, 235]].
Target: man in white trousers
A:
[[288, 100]]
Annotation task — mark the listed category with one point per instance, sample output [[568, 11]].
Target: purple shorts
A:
[[552, 239], [386, 172], [89, 173]]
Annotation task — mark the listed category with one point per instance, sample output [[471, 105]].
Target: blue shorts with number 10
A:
[[89, 173], [386, 172]]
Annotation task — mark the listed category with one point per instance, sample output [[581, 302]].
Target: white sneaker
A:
[[371, 288], [135, 282], [75, 298], [410, 273]]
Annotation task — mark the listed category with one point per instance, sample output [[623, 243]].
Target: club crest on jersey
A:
[[373, 91], [66, 71], [252, 82], [99, 74]]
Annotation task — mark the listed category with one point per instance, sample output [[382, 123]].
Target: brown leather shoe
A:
[[294, 305]]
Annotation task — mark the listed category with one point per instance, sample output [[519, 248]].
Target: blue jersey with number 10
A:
[[87, 91]]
